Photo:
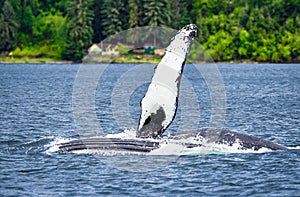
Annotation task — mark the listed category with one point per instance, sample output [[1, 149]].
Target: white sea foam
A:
[[215, 148], [294, 148], [126, 134], [54, 145], [168, 149]]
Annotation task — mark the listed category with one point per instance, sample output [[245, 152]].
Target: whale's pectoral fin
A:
[[160, 101], [153, 125]]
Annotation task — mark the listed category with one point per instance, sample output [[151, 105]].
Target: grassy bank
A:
[[124, 59], [121, 60], [9, 60]]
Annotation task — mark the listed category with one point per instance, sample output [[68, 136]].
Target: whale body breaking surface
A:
[[159, 107], [188, 140]]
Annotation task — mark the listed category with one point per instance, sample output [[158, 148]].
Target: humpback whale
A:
[[159, 107], [188, 139]]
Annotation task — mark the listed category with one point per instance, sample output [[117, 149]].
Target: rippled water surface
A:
[[36, 110]]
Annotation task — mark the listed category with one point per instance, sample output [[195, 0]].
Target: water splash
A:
[[53, 146], [128, 133], [294, 148]]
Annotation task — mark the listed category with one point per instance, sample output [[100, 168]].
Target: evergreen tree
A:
[[180, 13], [29, 9], [113, 17], [80, 32], [97, 23], [53, 6], [27, 22], [156, 13], [8, 27], [134, 9]]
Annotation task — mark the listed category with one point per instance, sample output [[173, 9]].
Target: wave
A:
[[53, 146]]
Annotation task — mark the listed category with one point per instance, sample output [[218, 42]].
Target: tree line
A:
[[258, 30]]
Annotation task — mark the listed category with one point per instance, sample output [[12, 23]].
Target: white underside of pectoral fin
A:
[[158, 97]]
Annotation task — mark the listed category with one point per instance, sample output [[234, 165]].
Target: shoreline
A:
[[121, 61], [33, 61]]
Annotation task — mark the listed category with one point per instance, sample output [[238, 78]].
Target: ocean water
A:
[[37, 113]]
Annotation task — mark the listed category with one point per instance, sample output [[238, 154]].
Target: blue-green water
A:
[[36, 110]]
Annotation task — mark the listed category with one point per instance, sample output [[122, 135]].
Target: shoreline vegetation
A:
[[229, 30], [121, 60]]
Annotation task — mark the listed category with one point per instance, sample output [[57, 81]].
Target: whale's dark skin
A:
[[217, 136], [221, 136]]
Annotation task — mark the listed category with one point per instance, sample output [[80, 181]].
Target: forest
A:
[[230, 30]]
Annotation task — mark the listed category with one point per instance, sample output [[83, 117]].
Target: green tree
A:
[[53, 6], [220, 46], [80, 32], [97, 23], [289, 47], [49, 27], [244, 44], [50, 30], [27, 22], [8, 27], [134, 9], [113, 17], [180, 13], [28, 11], [156, 13]]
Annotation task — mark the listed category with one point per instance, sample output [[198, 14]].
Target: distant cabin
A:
[[103, 49], [95, 50], [111, 50]]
